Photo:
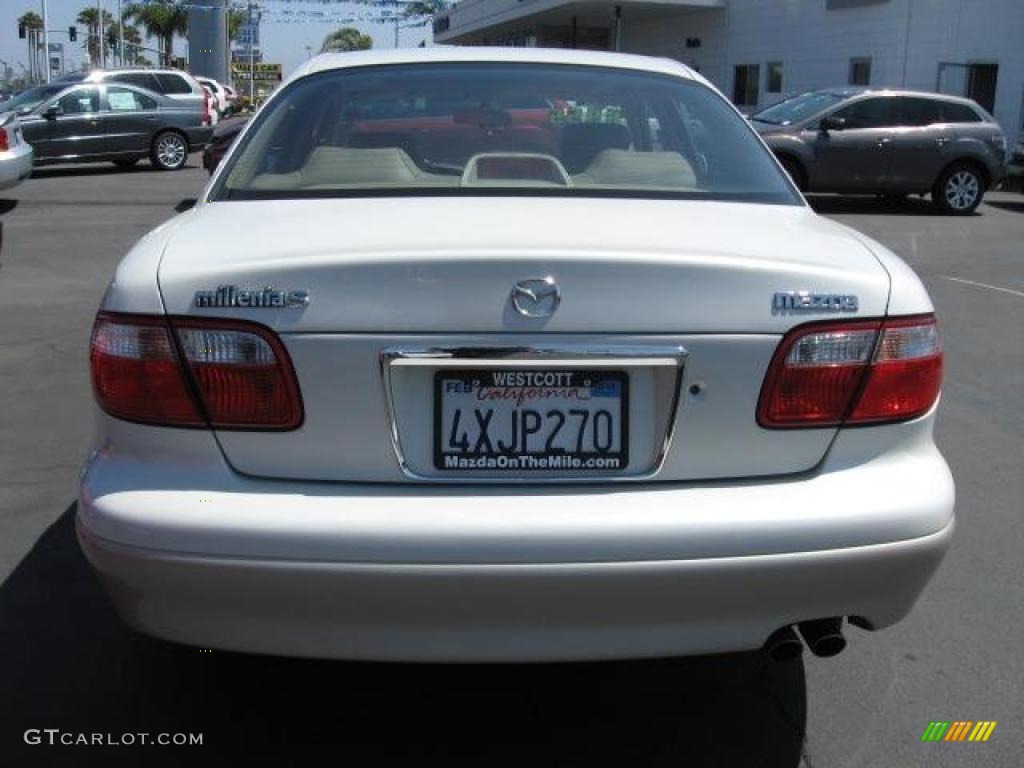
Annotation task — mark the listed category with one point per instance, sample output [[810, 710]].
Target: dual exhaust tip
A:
[[824, 638]]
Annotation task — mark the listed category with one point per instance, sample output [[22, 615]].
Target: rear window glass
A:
[[140, 79], [173, 83], [958, 113], [477, 128], [868, 113], [918, 112]]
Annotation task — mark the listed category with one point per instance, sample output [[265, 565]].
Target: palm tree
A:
[[425, 8], [132, 39], [236, 19], [346, 39], [32, 21], [89, 18], [163, 19]]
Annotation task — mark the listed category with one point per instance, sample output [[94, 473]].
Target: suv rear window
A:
[[918, 112], [958, 113], [170, 83], [489, 128], [140, 79]]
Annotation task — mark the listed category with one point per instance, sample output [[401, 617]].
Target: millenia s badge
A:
[[269, 297], [805, 301]]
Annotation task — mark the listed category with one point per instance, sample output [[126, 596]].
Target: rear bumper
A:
[[506, 612], [194, 552], [199, 137], [15, 165]]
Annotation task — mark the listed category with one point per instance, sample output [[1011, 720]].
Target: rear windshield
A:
[[500, 128]]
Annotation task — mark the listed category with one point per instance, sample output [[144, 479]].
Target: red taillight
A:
[[242, 373], [4, 141], [830, 374], [136, 374], [191, 372]]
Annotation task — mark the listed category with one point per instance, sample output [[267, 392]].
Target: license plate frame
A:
[[537, 463]]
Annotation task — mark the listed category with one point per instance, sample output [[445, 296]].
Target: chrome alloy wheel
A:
[[171, 151], [962, 190]]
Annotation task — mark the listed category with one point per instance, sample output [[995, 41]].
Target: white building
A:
[[757, 51]]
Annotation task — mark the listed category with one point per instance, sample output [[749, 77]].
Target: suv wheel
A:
[[170, 151], [959, 189]]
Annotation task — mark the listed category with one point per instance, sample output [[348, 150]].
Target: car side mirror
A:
[[831, 123], [53, 111]]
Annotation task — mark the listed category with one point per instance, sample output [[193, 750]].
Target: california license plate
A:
[[524, 420]]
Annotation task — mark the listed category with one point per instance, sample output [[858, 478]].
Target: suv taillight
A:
[[191, 372], [861, 372], [4, 141]]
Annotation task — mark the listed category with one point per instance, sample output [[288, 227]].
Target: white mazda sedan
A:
[[505, 355]]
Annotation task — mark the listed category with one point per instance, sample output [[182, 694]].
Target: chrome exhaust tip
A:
[[824, 636], [783, 645]]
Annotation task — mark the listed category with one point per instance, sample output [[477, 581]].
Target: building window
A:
[[773, 77], [744, 87], [860, 71]]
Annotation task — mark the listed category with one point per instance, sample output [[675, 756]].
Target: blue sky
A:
[[283, 43]]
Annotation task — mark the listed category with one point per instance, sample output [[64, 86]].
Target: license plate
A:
[[522, 421]]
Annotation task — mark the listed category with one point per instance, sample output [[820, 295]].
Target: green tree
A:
[[346, 39], [164, 20], [132, 39], [33, 21], [236, 18], [89, 18], [425, 8]]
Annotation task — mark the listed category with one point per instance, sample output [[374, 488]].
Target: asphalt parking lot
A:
[[66, 662]]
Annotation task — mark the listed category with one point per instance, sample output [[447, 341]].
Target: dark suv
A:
[[889, 142]]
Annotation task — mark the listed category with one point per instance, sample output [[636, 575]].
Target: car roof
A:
[[97, 75], [453, 53], [849, 91]]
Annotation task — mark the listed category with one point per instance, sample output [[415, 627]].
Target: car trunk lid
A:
[[641, 274]]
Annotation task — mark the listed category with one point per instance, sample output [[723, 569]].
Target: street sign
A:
[[56, 47], [261, 72], [243, 56]]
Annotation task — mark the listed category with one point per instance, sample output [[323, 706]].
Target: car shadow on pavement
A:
[[105, 169], [1017, 206], [66, 662], [6, 206], [872, 204]]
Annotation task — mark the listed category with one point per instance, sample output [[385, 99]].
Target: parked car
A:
[[232, 98], [219, 94], [1016, 166], [172, 83], [15, 153], [856, 140], [624, 398], [211, 106], [92, 122], [224, 136]]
